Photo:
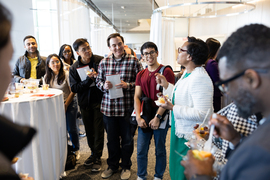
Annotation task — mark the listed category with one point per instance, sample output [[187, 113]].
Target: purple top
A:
[[212, 70]]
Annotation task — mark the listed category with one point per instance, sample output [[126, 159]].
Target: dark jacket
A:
[[86, 94], [13, 138], [23, 67]]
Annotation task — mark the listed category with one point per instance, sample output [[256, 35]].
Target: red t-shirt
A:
[[147, 81]]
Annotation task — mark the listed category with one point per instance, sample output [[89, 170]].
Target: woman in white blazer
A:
[[191, 97]]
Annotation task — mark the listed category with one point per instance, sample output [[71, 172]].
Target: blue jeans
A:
[[71, 116], [143, 143], [120, 142]]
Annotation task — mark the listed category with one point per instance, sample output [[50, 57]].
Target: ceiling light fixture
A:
[[123, 7], [248, 7]]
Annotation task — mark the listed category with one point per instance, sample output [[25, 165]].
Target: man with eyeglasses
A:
[[120, 139], [244, 71], [146, 86], [89, 99], [31, 64]]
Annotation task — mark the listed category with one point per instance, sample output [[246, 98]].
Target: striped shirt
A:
[[127, 67]]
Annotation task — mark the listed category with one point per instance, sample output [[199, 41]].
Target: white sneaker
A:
[[138, 178], [156, 178], [125, 174], [77, 154], [64, 174]]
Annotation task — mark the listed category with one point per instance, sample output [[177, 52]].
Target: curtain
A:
[[156, 32], [168, 45], [74, 21], [162, 34], [99, 34]]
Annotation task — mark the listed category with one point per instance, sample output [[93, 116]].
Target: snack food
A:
[[203, 131], [14, 160], [5, 99], [201, 155], [45, 86], [162, 100]]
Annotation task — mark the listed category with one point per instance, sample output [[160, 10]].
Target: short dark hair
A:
[[213, 46], [114, 35], [62, 48], [248, 47], [198, 50], [148, 44], [28, 37], [78, 43], [5, 25]]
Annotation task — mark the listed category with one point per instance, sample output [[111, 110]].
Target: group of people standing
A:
[[244, 74], [191, 98]]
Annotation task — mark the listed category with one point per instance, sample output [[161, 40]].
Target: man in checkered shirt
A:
[[120, 139]]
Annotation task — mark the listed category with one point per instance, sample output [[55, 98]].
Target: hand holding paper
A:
[[108, 85], [123, 84], [113, 91]]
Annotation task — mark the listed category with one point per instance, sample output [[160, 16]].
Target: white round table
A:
[[44, 158]]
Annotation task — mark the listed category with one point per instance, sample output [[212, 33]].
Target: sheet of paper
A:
[[113, 92], [82, 73], [164, 122]]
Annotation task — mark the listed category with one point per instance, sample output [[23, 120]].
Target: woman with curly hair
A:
[[192, 97]]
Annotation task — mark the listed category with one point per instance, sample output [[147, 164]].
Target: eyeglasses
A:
[[223, 85], [66, 52], [86, 49], [55, 62], [181, 50], [150, 53]]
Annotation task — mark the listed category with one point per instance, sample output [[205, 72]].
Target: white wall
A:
[[137, 39], [224, 26], [22, 25]]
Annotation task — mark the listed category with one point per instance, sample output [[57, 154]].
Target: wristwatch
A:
[[158, 116]]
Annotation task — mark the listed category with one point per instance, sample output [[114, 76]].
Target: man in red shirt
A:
[[146, 86]]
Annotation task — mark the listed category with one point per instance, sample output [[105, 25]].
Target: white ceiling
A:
[[135, 15]]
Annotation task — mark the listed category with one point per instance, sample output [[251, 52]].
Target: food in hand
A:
[[162, 100], [201, 155], [14, 160], [202, 131]]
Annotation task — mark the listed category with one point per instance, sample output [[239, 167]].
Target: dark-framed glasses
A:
[[223, 85], [150, 53], [181, 50]]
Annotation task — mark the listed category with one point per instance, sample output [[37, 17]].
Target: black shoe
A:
[[90, 161], [97, 165]]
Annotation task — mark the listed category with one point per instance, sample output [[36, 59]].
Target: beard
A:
[[244, 102]]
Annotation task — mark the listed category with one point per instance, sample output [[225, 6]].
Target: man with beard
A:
[[244, 71], [31, 64]]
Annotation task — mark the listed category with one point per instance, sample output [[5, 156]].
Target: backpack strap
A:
[[161, 71], [132, 52]]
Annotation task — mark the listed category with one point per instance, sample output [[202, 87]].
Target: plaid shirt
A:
[[241, 125], [127, 67]]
